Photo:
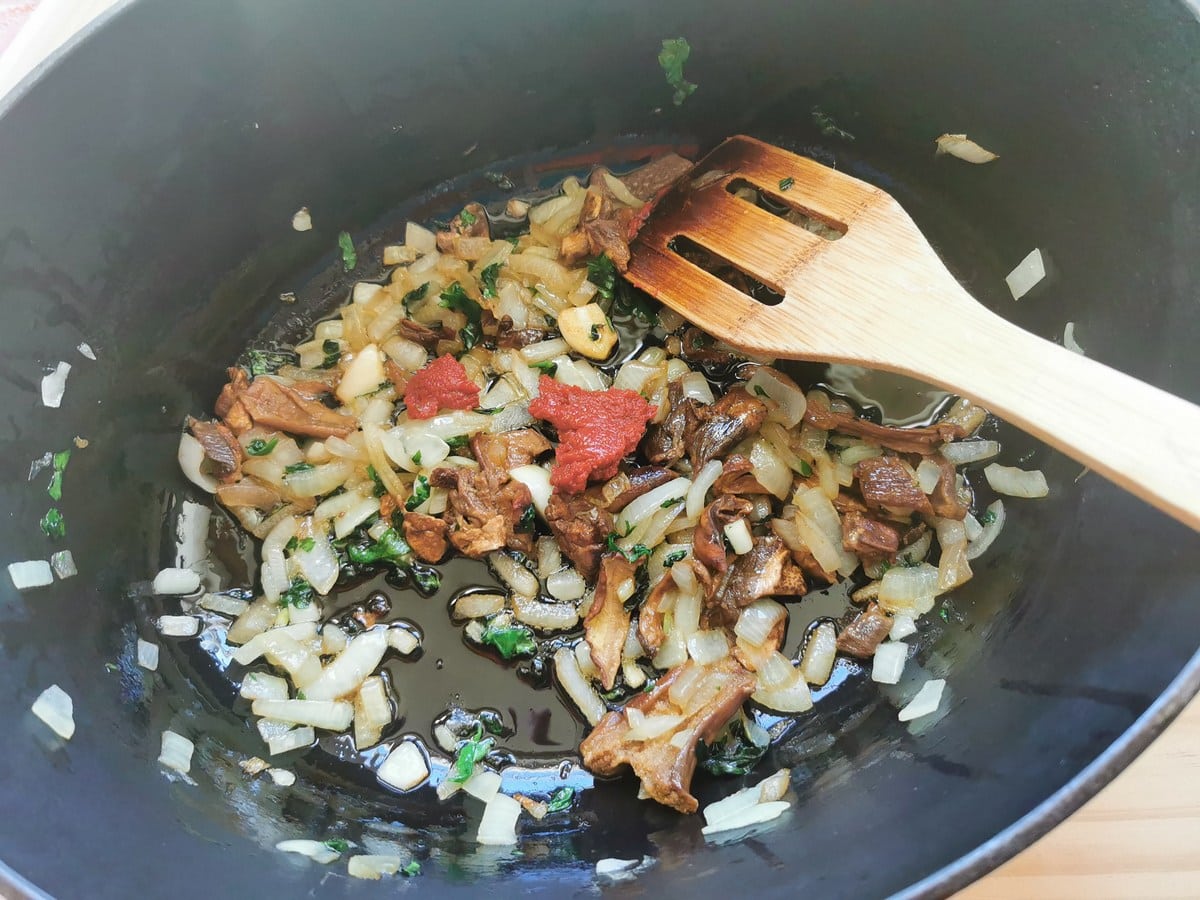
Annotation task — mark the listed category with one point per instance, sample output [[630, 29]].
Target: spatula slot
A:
[[703, 258], [777, 203]]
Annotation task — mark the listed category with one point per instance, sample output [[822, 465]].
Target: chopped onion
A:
[[405, 767], [544, 350], [476, 605], [498, 826], [419, 238], [176, 581], [31, 573], [333, 639], [178, 626], [282, 777], [776, 671], [537, 479], [319, 479], [343, 676], [792, 699], [176, 752], [972, 527], [261, 686], [788, 400], [294, 739], [755, 815], [566, 584], [959, 145], [962, 452], [54, 707], [63, 564], [317, 851], [758, 620], [332, 715], [647, 728], [284, 651], [147, 655], [991, 530], [302, 219], [929, 474], [909, 590], [645, 506], [566, 670], [257, 618], [821, 528], [54, 385], [739, 537], [696, 387], [191, 458], [224, 604], [856, 453], [483, 785], [372, 712], [1016, 482], [953, 568], [519, 579], [707, 647], [545, 616], [701, 483], [319, 565], [902, 627], [770, 469], [1069, 340], [673, 651], [888, 662], [1027, 274], [86, 350], [373, 867], [927, 700], [820, 653]]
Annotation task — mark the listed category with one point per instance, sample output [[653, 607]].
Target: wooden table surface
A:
[[1139, 838]]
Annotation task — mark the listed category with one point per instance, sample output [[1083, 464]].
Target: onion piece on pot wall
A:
[[176, 752], [55, 707], [962, 147], [1015, 482], [405, 767], [926, 701], [1027, 274], [54, 385], [30, 573]]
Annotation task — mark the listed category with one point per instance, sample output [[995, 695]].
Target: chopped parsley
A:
[[349, 254], [419, 495], [673, 557], [333, 352], [416, 458], [299, 595], [527, 521], [294, 544], [455, 298], [733, 754], [671, 501], [560, 799], [988, 517], [380, 490], [268, 362], [411, 870], [786, 183], [337, 845], [470, 753], [414, 295], [633, 554], [805, 469], [297, 467], [259, 447], [674, 53], [425, 578], [300, 695], [594, 333], [944, 614], [547, 367], [510, 641], [467, 218], [60, 460], [487, 278], [53, 525], [603, 274], [390, 547], [457, 442], [760, 390]]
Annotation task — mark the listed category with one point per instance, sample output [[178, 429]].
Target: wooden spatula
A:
[[878, 296]]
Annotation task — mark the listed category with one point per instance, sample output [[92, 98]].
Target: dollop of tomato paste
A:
[[595, 430], [443, 384]]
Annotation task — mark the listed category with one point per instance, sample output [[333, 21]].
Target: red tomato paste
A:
[[595, 430], [443, 384]]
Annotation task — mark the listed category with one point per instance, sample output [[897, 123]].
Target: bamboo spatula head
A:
[[864, 265]]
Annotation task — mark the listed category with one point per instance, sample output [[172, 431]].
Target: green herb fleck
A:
[[111, 667], [54, 489], [300, 695], [416, 458], [988, 517], [467, 218], [411, 870], [259, 447], [337, 845], [527, 521], [633, 554], [944, 614], [547, 366], [349, 254], [510, 640], [594, 333], [306, 544], [671, 501], [454, 297], [390, 547], [414, 295], [419, 495], [603, 274], [650, 685], [673, 557], [53, 524], [674, 53], [457, 442], [560, 799], [805, 469], [827, 126], [734, 754], [299, 595], [267, 362], [758, 389], [515, 240], [487, 279], [469, 754], [786, 183], [427, 580], [297, 467], [380, 489], [333, 352]]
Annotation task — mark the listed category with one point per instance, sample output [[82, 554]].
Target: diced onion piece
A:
[[962, 452], [707, 647], [791, 699], [176, 752], [343, 676], [30, 573], [821, 528], [953, 568], [54, 385], [696, 387], [483, 785], [738, 533], [224, 604], [419, 238], [282, 777], [477, 605], [333, 639], [302, 219], [317, 851], [735, 804], [261, 686], [820, 653], [318, 565], [566, 584], [55, 707], [498, 826], [372, 712], [545, 616], [176, 581], [518, 578], [926, 701], [319, 479], [1069, 340], [63, 564], [331, 715], [770, 468], [788, 400], [257, 618], [647, 728], [405, 767], [373, 867], [294, 739], [86, 350], [902, 627], [758, 620], [698, 491], [1027, 274], [888, 662], [909, 590], [776, 671], [191, 458], [1016, 482], [537, 479], [645, 506], [991, 530], [566, 669], [147, 655], [774, 786], [929, 474], [178, 626], [543, 350], [972, 527], [755, 815], [962, 147]]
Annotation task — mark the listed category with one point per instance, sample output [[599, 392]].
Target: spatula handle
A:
[[1142, 438]]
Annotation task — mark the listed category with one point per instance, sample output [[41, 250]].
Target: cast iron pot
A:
[[148, 175]]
